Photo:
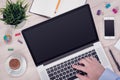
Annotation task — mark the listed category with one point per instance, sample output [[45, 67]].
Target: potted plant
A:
[[14, 13]]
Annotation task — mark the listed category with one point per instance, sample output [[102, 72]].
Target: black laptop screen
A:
[[61, 34]]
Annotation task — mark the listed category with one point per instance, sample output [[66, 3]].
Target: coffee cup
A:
[[16, 65]]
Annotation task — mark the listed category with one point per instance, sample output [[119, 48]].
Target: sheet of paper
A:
[[117, 45], [44, 7]]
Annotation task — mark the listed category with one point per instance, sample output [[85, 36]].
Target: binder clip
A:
[[115, 10], [7, 38], [99, 12], [108, 5]]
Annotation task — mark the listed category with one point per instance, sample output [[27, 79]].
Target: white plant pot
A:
[[20, 25], [11, 28]]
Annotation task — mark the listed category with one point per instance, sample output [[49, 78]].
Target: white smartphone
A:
[[109, 28]]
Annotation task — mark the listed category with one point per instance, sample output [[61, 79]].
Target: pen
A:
[[57, 5], [118, 66]]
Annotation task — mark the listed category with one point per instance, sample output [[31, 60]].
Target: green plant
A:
[[14, 13]]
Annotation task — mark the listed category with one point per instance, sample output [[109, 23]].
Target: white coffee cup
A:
[[16, 65]]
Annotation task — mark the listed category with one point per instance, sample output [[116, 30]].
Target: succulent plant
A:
[[14, 13]]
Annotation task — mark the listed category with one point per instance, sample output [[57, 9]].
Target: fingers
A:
[[84, 61], [88, 59], [82, 77], [93, 59], [88, 64], [81, 68]]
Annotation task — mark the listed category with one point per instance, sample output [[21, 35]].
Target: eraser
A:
[[17, 34]]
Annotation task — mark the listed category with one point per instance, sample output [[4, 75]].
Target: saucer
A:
[[20, 70]]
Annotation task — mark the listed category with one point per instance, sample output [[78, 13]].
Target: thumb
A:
[[82, 77]]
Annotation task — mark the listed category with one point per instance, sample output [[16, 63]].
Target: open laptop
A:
[[58, 43]]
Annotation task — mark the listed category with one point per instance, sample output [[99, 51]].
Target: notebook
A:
[[47, 7]]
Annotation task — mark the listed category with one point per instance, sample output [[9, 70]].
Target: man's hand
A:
[[92, 67]]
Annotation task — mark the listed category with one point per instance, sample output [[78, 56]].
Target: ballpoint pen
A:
[[118, 66], [57, 6]]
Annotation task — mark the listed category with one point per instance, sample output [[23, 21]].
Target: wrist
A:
[[108, 75]]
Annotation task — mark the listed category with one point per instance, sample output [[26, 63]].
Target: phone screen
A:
[[109, 28]]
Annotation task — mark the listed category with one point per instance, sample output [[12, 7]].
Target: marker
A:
[[118, 66], [57, 6]]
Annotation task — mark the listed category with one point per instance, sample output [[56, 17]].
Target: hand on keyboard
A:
[[92, 67]]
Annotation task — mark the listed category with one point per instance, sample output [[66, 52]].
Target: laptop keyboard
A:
[[64, 71]]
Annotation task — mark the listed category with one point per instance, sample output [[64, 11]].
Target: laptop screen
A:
[[61, 34]]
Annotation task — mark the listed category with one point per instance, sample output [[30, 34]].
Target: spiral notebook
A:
[[47, 7]]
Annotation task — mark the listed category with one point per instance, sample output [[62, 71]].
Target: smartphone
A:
[[109, 30]]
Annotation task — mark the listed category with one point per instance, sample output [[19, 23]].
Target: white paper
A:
[[44, 7], [117, 45]]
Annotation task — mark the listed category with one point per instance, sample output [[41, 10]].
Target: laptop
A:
[[60, 42]]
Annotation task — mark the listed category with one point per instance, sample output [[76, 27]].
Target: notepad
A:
[[47, 7]]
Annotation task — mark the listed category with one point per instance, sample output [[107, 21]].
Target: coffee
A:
[[14, 64]]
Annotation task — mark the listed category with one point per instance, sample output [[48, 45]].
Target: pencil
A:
[[57, 6]]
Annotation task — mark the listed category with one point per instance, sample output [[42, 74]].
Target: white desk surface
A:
[[31, 72]]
